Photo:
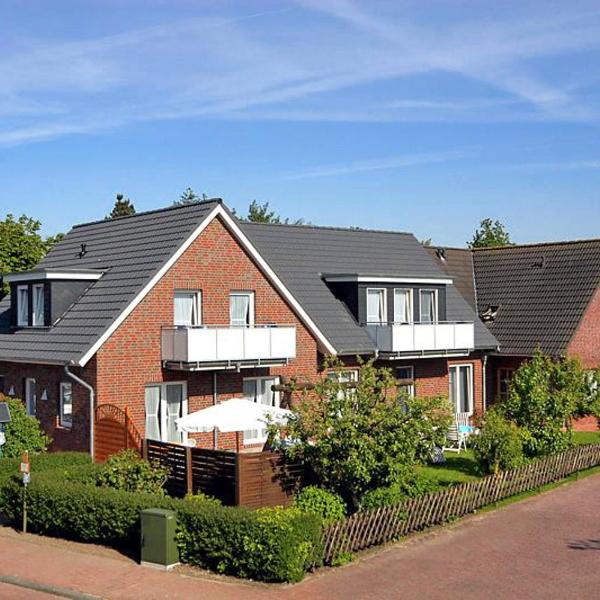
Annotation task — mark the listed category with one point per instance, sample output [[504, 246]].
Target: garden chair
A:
[[459, 432]]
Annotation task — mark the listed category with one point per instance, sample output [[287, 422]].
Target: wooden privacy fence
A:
[[364, 529], [253, 479], [114, 432]]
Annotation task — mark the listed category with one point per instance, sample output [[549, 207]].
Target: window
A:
[[22, 306], [66, 405], [258, 389], [187, 308], [428, 306], [347, 376], [402, 305], [405, 376], [376, 306], [461, 388], [30, 396], [37, 314], [504, 379], [164, 403], [241, 309]]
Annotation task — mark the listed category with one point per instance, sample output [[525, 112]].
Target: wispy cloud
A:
[[566, 165], [381, 164]]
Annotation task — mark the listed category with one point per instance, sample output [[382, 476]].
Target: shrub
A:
[[411, 487], [127, 471], [23, 432], [499, 445], [200, 499], [316, 501]]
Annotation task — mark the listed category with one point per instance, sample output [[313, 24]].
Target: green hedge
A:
[[268, 544]]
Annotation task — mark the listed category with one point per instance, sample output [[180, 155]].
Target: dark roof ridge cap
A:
[[152, 211], [436, 246], [537, 245], [326, 227]]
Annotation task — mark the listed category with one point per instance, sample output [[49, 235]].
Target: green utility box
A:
[[158, 538]]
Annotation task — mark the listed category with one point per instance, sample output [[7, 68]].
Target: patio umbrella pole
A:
[[237, 442]]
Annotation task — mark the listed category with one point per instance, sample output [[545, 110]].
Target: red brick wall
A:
[[585, 344]]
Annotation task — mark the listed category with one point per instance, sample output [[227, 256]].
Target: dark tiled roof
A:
[[302, 254], [130, 250], [457, 263], [542, 291]]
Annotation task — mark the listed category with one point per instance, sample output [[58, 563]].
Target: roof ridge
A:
[[537, 244], [152, 211], [326, 227]]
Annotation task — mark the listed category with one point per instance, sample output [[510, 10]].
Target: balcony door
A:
[[30, 396], [164, 403], [376, 306], [258, 389], [461, 388]]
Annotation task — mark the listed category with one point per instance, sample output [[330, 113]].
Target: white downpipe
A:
[[215, 401], [86, 385], [484, 382]]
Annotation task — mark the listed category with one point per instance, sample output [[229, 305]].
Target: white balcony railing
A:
[[228, 344], [406, 338]]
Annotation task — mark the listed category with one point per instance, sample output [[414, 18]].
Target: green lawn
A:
[[459, 468]]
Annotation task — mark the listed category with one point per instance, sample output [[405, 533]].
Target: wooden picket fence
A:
[[364, 529]]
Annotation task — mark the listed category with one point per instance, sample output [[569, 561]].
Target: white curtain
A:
[[23, 306], [66, 404], [239, 310], [174, 402], [184, 309], [38, 305], [376, 306], [402, 306], [427, 307], [152, 401]]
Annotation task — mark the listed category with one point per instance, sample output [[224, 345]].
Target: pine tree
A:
[[123, 208]]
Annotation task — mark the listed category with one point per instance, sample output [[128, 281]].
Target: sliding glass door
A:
[[461, 388]]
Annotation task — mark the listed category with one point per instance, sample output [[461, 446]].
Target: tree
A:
[[123, 208], [23, 432], [353, 440], [21, 245], [260, 213], [189, 196], [490, 234]]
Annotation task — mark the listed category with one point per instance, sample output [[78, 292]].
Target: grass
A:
[[586, 437]]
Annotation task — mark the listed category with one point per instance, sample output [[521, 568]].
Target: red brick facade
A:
[[586, 342]]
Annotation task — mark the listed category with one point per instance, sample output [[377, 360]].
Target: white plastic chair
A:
[[459, 432]]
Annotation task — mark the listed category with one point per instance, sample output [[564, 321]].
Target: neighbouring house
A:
[[537, 296], [166, 312]]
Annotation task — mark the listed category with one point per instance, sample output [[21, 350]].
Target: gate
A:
[[114, 432]]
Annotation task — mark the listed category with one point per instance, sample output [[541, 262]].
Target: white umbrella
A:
[[236, 415]]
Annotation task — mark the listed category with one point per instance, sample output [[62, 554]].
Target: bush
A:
[[23, 432], [316, 501], [127, 471], [411, 487], [200, 499], [499, 445]]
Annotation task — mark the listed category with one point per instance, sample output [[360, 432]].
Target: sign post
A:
[[25, 472]]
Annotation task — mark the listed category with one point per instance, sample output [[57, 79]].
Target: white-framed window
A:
[[37, 313], [376, 306], [164, 403], [22, 306], [344, 376], [403, 305], [258, 389], [504, 378], [66, 404], [30, 396], [461, 388], [187, 308], [241, 309], [429, 306], [405, 377]]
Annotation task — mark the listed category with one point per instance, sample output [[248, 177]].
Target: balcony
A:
[[423, 339], [220, 347]]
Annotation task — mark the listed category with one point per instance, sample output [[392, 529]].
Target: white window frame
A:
[[251, 308], [500, 379], [411, 387], [409, 302], [435, 305], [63, 422], [22, 322], [385, 307], [469, 366], [261, 439], [34, 306], [30, 399], [196, 307], [162, 416]]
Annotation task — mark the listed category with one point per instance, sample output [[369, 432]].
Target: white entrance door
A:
[[30, 396]]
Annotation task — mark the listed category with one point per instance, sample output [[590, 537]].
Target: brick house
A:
[[536, 296], [169, 311]]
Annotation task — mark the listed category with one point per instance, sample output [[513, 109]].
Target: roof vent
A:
[[539, 263], [441, 253], [83, 250], [489, 314]]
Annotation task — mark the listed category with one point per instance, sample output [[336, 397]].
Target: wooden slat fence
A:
[[253, 479], [114, 431], [364, 529]]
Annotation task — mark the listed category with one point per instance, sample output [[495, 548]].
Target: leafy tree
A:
[[189, 196], [21, 245], [490, 234], [23, 432], [123, 208], [355, 440], [545, 395], [260, 213]]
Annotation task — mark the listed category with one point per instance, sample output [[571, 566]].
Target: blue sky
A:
[[418, 116]]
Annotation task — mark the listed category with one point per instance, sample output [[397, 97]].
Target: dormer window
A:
[[187, 308], [23, 306], [376, 306], [37, 313], [429, 304], [402, 305]]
